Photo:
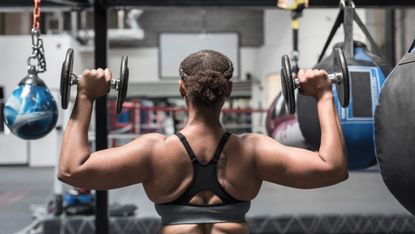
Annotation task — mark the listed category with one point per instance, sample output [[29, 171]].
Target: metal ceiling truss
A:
[[254, 3], [82, 4], [64, 5]]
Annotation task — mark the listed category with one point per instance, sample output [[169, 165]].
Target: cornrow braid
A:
[[206, 76]]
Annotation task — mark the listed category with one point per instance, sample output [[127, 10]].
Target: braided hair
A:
[[206, 76]]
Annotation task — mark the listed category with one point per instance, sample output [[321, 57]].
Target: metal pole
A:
[[295, 17], [101, 132], [390, 31]]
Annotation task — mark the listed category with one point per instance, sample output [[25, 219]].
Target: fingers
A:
[[85, 73], [108, 74], [97, 73], [320, 73], [303, 75], [300, 73], [100, 73], [311, 73], [323, 72]]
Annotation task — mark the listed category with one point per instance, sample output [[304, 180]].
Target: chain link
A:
[[36, 14], [38, 52]]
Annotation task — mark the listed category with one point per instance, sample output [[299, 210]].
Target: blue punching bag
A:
[[367, 74], [30, 111], [366, 79]]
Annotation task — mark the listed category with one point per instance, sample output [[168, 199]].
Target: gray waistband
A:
[[189, 214]]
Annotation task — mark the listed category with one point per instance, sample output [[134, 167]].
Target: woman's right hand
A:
[[314, 83], [94, 83]]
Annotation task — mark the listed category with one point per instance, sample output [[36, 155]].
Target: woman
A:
[[203, 178]]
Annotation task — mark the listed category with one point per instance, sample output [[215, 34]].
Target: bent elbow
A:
[[70, 172], [343, 171], [64, 175], [340, 174], [344, 175]]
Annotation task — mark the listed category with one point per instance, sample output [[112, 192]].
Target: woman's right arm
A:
[[105, 169], [302, 168]]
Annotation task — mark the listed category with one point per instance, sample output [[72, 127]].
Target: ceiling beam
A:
[[80, 4], [254, 3], [22, 5], [75, 3]]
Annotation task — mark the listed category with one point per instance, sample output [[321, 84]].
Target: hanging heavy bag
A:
[[367, 74], [395, 131]]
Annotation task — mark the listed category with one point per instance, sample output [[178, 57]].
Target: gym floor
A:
[[363, 193]]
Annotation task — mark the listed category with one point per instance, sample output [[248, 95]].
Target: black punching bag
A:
[[395, 131], [1, 109]]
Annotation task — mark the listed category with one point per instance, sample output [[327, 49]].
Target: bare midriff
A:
[[217, 228], [220, 228]]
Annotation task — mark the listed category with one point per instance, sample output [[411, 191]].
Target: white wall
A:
[[261, 62], [144, 63]]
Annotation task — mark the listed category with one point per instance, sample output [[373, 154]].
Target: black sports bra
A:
[[204, 175], [205, 178]]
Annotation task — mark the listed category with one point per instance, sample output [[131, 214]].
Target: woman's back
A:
[[235, 173], [173, 169]]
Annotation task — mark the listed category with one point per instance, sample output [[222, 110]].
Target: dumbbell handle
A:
[[335, 78], [114, 82]]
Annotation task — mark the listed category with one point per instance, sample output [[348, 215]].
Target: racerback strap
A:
[[221, 145], [186, 145], [218, 150]]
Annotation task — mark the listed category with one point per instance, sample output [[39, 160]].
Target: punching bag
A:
[[395, 131], [31, 111], [1, 109], [283, 126], [367, 75], [366, 79]]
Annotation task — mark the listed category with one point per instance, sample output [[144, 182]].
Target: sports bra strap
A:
[[221, 145], [218, 150], [186, 145]]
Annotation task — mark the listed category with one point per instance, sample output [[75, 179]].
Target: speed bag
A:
[[367, 75]]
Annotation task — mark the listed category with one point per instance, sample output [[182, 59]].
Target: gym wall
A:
[[259, 60]]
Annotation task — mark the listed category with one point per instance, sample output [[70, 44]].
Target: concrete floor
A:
[[363, 193]]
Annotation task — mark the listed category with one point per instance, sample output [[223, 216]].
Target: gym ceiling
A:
[[82, 4]]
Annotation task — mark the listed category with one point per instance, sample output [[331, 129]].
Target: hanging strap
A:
[[186, 145], [412, 47], [221, 145], [344, 18], [348, 31], [333, 31]]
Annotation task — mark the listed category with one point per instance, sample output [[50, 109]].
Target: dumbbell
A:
[[340, 77], [68, 79]]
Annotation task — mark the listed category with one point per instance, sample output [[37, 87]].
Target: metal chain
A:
[[36, 14], [38, 52]]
